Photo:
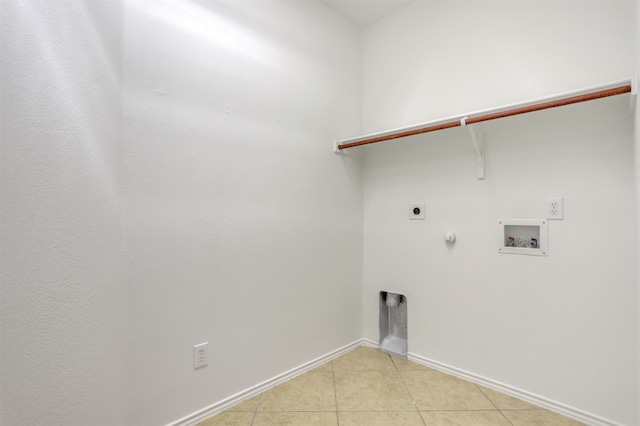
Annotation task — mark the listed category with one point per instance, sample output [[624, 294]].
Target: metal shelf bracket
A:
[[477, 138]]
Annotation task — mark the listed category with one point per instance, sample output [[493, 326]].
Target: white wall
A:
[[168, 179], [435, 59], [637, 181], [243, 228], [62, 295], [564, 326]]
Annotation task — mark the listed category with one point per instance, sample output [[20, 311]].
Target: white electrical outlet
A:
[[554, 208], [416, 211], [200, 355]]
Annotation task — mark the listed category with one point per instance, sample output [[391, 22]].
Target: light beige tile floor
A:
[[367, 387]]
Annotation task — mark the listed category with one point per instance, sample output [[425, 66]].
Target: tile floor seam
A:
[[335, 392], [506, 418], [424, 422], [494, 404], [372, 412], [485, 395], [255, 410]]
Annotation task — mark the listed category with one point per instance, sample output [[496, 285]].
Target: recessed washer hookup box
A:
[[522, 236]]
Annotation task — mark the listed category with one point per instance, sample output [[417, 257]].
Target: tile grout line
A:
[[335, 392], [493, 403], [407, 389], [255, 411], [399, 372]]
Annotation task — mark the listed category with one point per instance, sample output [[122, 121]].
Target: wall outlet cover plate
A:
[[416, 211], [555, 208], [200, 355]]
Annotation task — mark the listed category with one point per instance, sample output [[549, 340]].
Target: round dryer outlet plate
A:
[[416, 211]]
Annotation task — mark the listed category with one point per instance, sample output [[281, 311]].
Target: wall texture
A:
[[168, 179], [438, 59], [564, 326], [243, 228], [62, 296], [637, 193]]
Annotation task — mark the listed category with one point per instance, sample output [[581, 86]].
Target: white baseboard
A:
[[557, 407], [369, 343], [220, 406], [542, 402]]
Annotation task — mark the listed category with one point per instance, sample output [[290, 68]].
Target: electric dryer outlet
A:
[[416, 211]]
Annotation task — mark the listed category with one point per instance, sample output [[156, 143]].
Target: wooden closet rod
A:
[[587, 95]]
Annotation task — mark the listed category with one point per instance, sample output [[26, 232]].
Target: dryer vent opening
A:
[[393, 323]]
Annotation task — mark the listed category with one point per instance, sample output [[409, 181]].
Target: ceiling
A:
[[364, 12]]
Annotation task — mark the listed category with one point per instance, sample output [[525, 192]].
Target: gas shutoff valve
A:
[[449, 237]]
